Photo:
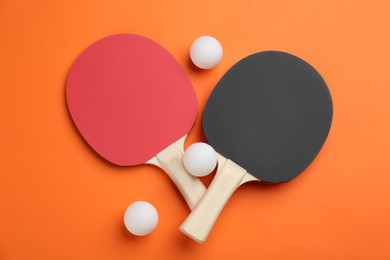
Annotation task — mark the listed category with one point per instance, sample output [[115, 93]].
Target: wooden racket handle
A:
[[201, 220], [170, 160]]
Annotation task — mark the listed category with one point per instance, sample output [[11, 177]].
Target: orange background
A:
[[59, 200]]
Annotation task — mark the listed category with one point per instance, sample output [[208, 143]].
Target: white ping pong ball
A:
[[206, 52], [141, 218], [200, 159]]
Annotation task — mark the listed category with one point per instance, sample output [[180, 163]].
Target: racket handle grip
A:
[[171, 161], [201, 220]]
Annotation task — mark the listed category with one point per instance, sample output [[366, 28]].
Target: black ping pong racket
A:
[[268, 118]]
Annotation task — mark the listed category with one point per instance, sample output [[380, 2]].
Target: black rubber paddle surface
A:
[[271, 114]]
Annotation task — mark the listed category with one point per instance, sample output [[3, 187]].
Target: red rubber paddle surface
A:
[[130, 98]]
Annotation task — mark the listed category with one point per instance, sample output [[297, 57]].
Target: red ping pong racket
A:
[[134, 104]]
